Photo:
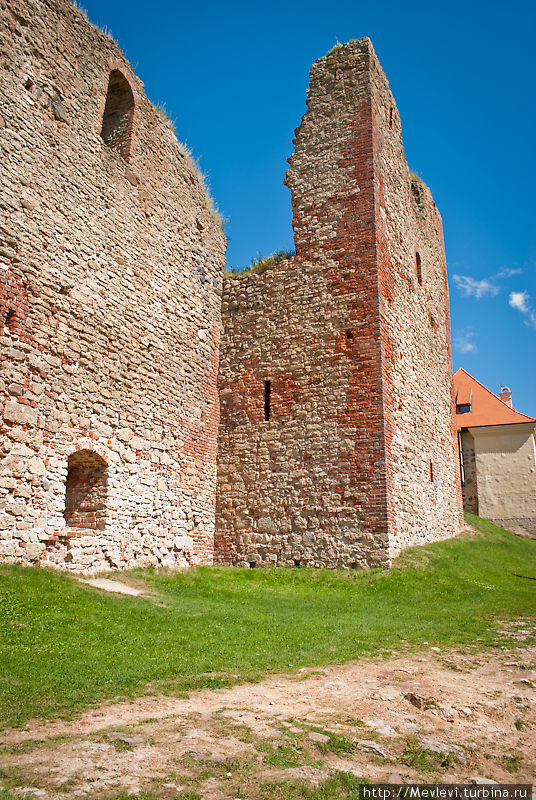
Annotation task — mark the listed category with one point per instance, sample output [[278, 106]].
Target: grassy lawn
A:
[[65, 646]]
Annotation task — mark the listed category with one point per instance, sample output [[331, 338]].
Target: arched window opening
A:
[[418, 266], [118, 114], [85, 494]]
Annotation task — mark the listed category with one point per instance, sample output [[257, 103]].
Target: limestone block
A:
[[20, 414]]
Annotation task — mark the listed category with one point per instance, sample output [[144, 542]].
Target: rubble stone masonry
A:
[[110, 282], [337, 438]]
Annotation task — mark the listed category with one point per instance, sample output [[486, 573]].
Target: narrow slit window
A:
[[391, 117], [418, 266], [431, 471], [267, 393]]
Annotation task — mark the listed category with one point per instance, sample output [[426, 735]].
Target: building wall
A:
[[110, 281], [470, 483], [356, 351], [506, 467]]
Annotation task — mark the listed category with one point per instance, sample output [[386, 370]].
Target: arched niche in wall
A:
[[118, 114], [86, 491]]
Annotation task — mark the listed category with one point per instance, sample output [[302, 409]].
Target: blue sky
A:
[[233, 77]]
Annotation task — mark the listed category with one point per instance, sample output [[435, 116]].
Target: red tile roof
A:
[[486, 407]]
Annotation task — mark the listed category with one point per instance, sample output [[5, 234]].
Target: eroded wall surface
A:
[[505, 458], [110, 276], [357, 460]]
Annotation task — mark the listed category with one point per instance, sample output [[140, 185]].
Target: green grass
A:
[[512, 762], [259, 264], [339, 786], [335, 49], [287, 754], [65, 646]]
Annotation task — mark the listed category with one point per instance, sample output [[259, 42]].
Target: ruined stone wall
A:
[[288, 487], [357, 460], [422, 462], [110, 276]]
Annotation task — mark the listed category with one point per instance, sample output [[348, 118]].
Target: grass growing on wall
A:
[[65, 645], [260, 264]]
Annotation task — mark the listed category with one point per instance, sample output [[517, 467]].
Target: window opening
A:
[[463, 408], [431, 471], [391, 117], [85, 491], [10, 321], [118, 114], [418, 265], [267, 397]]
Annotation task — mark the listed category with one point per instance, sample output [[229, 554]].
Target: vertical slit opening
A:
[[418, 266], [431, 471], [267, 393]]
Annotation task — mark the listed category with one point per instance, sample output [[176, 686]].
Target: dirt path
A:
[[435, 716]]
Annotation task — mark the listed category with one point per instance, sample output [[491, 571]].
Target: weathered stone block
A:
[[20, 414]]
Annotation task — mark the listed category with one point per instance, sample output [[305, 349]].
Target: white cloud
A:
[[487, 287], [477, 289], [519, 300], [463, 340], [507, 272]]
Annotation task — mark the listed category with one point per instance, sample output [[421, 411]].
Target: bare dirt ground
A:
[[435, 716]]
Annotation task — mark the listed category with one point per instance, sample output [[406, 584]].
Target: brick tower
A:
[[337, 437]]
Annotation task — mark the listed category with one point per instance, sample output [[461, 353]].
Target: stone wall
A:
[[358, 458], [110, 282], [421, 448]]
